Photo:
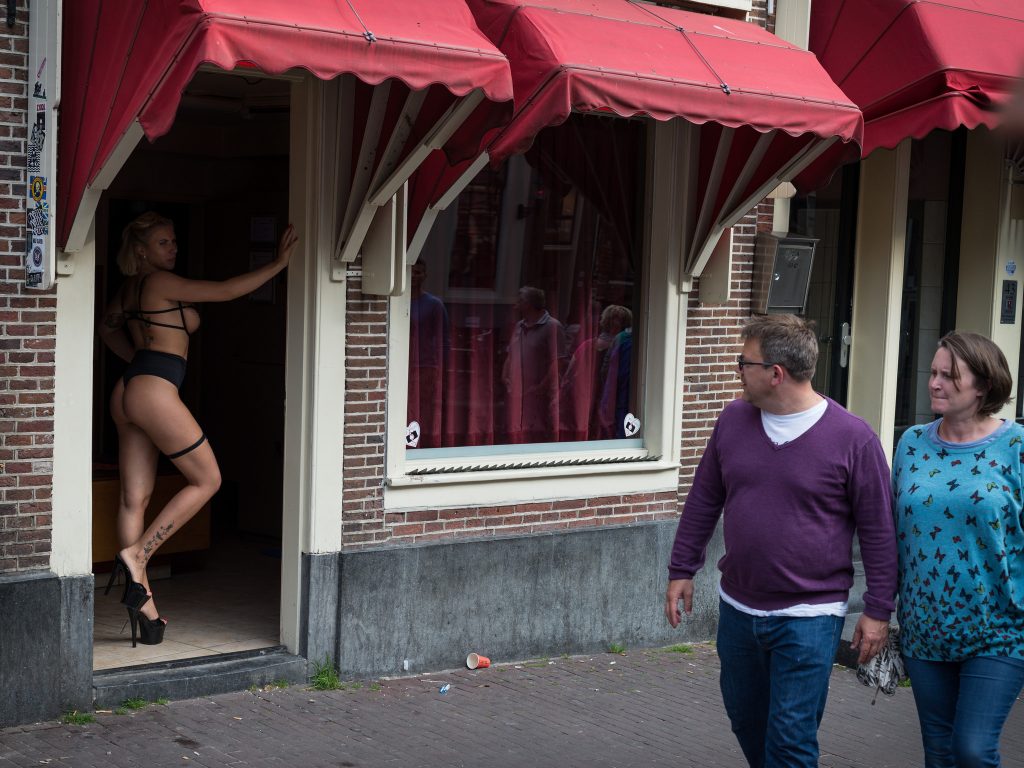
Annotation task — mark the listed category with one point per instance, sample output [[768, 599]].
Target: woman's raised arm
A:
[[177, 288]]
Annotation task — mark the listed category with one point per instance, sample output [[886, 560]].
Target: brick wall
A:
[[366, 355], [759, 14], [710, 381], [27, 337]]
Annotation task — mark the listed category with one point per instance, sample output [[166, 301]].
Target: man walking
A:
[[793, 474]]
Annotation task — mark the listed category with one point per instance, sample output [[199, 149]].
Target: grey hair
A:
[[786, 340]]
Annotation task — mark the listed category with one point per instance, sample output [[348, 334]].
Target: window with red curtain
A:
[[525, 304]]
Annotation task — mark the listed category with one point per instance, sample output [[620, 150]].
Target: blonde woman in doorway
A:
[[148, 324]]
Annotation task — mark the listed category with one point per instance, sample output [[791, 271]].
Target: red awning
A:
[[914, 66], [128, 63], [766, 107]]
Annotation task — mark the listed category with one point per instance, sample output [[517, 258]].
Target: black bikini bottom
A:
[[148, 362]]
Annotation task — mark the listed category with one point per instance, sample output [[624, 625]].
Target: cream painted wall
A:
[[989, 240], [878, 288], [72, 418], [792, 24], [315, 358], [793, 21]]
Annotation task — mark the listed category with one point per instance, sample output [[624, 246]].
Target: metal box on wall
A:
[[782, 273]]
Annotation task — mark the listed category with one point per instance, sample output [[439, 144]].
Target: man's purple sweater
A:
[[790, 512]]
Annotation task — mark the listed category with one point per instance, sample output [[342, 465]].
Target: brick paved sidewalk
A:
[[647, 708]]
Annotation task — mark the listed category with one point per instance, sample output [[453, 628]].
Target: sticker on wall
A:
[[36, 253], [36, 142], [38, 213], [631, 425], [1011, 267], [39, 91], [412, 434]]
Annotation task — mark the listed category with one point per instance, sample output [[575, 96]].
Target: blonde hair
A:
[[135, 234]]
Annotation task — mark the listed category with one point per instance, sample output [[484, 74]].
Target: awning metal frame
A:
[[703, 242], [380, 190], [431, 213]]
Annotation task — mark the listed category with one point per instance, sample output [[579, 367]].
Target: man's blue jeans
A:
[[775, 674], [962, 706]]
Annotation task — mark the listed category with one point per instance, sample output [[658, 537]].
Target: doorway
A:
[[829, 215], [221, 175], [931, 267]]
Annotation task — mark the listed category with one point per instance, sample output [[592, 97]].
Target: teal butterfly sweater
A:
[[960, 537]]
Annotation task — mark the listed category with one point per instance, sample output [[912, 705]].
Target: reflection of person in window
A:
[[537, 355], [616, 373], [429, 342], [584, 379]]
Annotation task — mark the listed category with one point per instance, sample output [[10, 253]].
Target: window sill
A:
[[463, 487]]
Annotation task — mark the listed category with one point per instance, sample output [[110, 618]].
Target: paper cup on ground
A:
[[476, 661]]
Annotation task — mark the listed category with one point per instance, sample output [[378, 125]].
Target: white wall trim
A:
[[315, 357], [72, 416], [793, 22], [878, 288]]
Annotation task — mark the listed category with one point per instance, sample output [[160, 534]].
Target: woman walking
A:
[[957, 486]]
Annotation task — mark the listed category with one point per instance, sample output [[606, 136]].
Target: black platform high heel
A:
[[135, 595], [150, 631]]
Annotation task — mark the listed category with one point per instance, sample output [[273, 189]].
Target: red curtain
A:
[[530, 360]]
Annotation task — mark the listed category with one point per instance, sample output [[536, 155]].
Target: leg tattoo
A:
[[158, 538]]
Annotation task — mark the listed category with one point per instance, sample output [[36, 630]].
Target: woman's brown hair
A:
[[988, 364]]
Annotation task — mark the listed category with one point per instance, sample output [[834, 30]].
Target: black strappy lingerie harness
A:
[[152, 362], [142, 315]]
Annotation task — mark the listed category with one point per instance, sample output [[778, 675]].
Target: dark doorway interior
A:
[[930, 268], [221, 175], [829, 214]]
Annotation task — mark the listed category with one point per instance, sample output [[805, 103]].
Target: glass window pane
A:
[[524, 297]]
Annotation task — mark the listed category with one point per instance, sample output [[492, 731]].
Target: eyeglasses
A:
[[740, 363]]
